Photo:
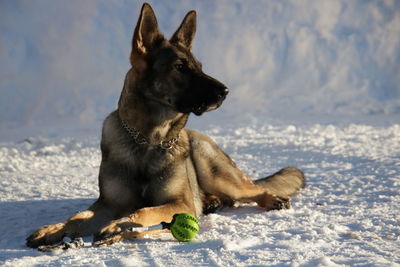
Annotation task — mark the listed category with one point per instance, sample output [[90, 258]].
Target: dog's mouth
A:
[[197, 104], [205, 107], [199, 110]]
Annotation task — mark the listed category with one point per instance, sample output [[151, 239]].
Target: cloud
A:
[[63, 59]]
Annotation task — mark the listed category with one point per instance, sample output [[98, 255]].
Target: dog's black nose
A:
[[223, 93]]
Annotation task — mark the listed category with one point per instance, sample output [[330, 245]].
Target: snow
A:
[[347, 215], [313, 84], [279, 58]]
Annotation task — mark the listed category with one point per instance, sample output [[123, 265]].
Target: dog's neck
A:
[[156, 123]]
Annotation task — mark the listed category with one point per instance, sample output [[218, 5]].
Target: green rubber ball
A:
[[184, 227]]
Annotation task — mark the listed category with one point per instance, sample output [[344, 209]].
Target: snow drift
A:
[[279, 58]]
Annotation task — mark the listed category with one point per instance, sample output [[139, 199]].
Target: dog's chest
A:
[[152, 171], [135, 189]]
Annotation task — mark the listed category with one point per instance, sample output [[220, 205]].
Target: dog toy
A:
[[184, 227]]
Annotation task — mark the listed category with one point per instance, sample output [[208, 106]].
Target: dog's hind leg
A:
[[237, 187], [81, 224], [218, 175]]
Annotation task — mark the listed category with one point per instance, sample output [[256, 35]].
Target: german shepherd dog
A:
[[152, 167]]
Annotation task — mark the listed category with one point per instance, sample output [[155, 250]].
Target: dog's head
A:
[[168, 72]]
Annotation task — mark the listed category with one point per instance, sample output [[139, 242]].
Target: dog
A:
[[151, 166]]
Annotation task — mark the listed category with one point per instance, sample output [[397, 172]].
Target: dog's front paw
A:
[[46, 235], [104, 242], [114, 228], [110, 230], [273, 202]]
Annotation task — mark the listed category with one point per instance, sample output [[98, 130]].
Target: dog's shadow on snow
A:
[[20, 218]]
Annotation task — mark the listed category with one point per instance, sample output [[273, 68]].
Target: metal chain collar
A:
[[141, 140]]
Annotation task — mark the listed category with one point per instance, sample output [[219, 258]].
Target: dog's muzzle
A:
[[212, 103]]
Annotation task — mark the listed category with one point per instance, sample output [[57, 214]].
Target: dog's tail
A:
[[285, 183]]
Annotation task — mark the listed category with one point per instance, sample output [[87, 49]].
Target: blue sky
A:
[[67, 59]]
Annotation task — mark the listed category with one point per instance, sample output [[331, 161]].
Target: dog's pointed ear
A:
[[146, 35], [185, 33]]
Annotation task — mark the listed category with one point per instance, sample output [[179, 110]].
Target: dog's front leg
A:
[[149, 216], [81, 224]]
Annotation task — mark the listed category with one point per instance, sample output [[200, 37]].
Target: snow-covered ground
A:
[[347, 215]]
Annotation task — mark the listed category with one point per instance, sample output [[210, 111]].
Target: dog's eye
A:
[[180, 66]]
